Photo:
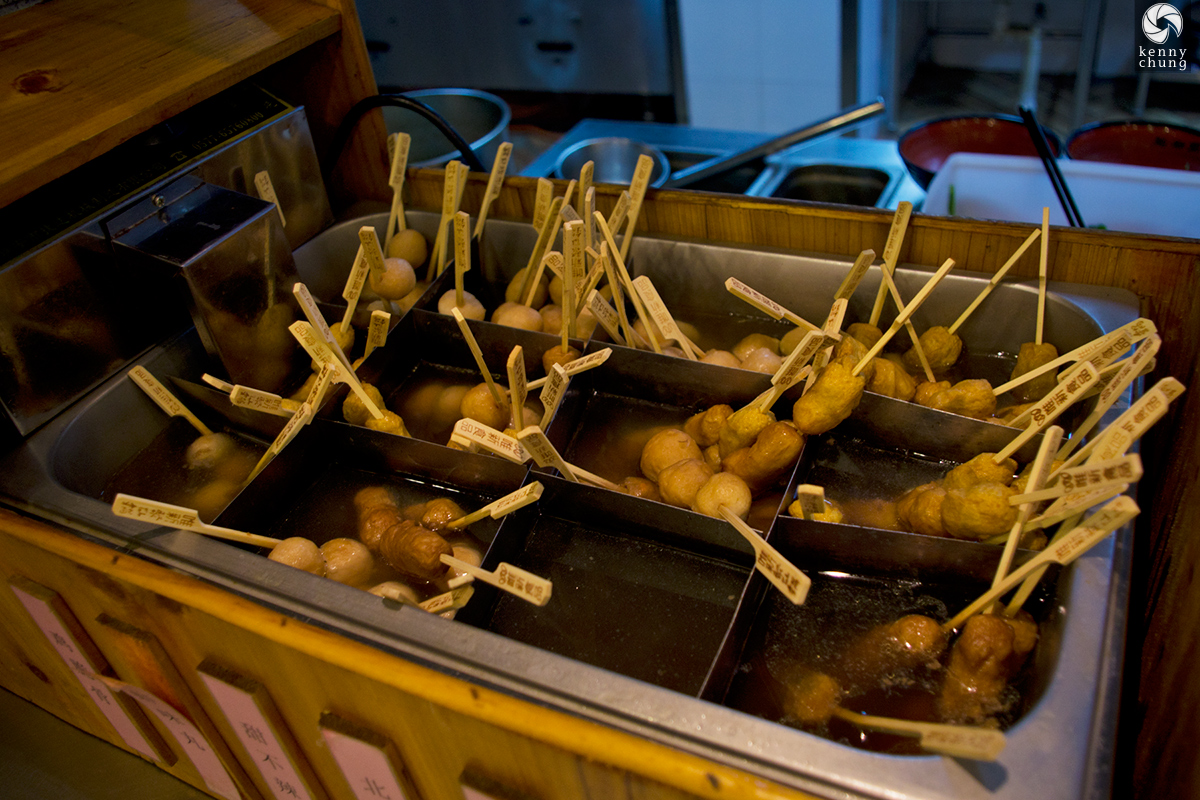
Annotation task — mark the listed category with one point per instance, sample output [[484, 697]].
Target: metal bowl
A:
[[615, 159], [479, 117]]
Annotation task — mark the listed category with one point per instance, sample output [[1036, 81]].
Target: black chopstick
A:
[[1051, 164]]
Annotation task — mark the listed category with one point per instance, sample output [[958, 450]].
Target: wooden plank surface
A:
[[78, 77]]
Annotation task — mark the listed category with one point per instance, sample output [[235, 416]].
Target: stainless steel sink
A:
[[863, 172]]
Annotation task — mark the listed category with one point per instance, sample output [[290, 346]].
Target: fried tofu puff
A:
[[920, 509], [980, 469], [891, 380], [865, 332], [969, 398], [775, 449], [705, 427], [978, 512], [832, 398], [942, 349], [1031, 357], [742, 428], [985, 656]]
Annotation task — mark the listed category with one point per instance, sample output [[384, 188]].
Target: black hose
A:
[[356, 112]]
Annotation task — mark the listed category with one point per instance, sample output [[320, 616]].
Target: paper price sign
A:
[[367, 760], [74, 655], [190, 739]]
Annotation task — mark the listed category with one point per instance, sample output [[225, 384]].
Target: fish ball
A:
[[753, 342], [761, 359], [515, 315], [471, 307], [723, 489], [680, 482], [300, 553], [348, 561], [395, 281], [209, 450], [479, 405], [410, 245], [664, 449], [556, 355], [722, 358]]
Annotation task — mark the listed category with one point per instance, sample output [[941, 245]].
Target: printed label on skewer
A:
[[554, 262], [587, 362], [140, 508], [462, 240], [322, 353], [837, 315], [891, 250], [789, 371], [190, 739], [398, 147], [1077, 382], [371, 249], [660, 315], [543, 453], [499, 168], [255, 733], [1073, 503], [516, 385], [1117, 383], [606, 315], [637, 190], [755, 298], [163, 398], [512, 579], [357, 277], [589, 283], [770, 562], [1108, 349], [293, 426], [552, 393], [79, 661], [1091, 476], [514, 500], [258, 400], [313, 314], [1092, 530], [450, 192], [1134, 422], [569, 214], [266, 190], [589, 208], [377, 332], [317, 393], [963, 741], [448, 601], [363, 758], [617, 218], [491, 440], [573, 249], [541, 202], [858, 271]]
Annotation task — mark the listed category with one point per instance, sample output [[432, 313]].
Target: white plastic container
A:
[[1117, 196]]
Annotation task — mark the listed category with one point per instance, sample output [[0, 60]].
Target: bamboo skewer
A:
[[1042, 268], [577, 366], [619, 265], [494, 185], [469, 337], [891, 254], [1081, 539], [812, 500], [1038, 472], [1113, 391], [959, 741], [546, 234], [1000, 273], [450, 200], [514, 580], [637, 192], [400, 144], [163, 398], [1126, 429], [354, 284], [188, 519], [217, 383], [886, 277], [766, 305], [516, 386], [1102, 351], [770, 562], [462, 256], [505, 505], [1076, 382], [905, 314]]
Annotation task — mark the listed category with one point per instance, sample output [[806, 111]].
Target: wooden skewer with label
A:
[[514, 580], [505, 505], [494, 185], [187, 519], [400, 145], [959, 741], [770, 562], [905, 314], [164, 399], [469, 337], [891, 255]]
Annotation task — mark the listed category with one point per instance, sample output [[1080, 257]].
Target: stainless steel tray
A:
[[1060, 747]]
